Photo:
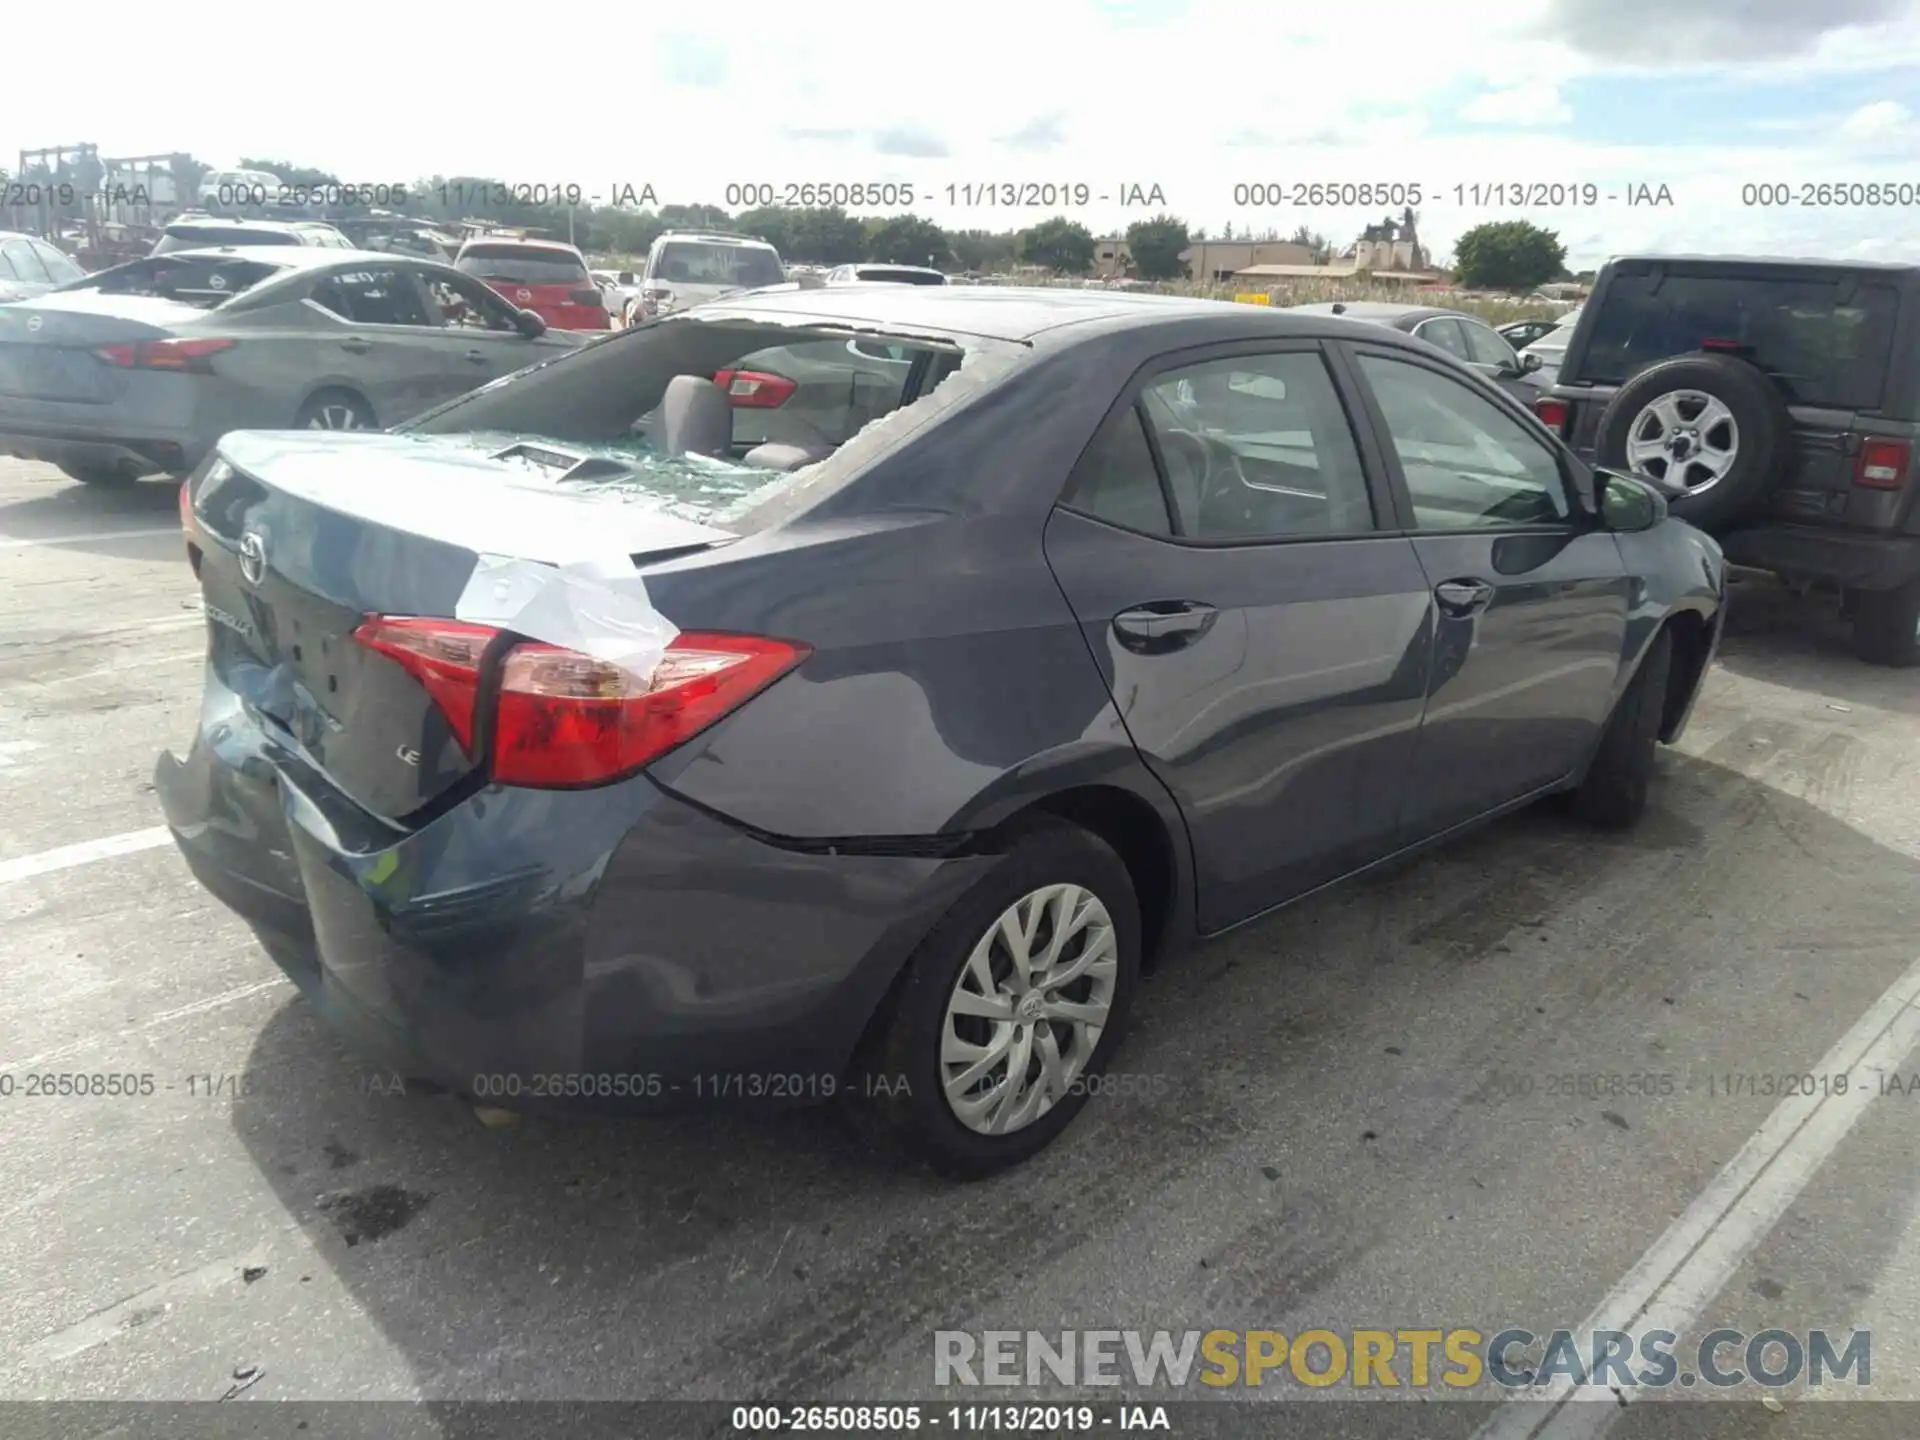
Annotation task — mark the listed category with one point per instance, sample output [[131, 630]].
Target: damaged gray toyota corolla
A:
[[847, 693]]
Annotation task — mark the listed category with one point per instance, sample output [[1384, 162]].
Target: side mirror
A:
[[1630, 503], [529, 324], [1529, 364]]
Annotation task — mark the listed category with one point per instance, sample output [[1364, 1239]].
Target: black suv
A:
[[1778, 404]]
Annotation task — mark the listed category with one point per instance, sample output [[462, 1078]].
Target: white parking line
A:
[[1690, 1264], [14, 542], [86, 852]]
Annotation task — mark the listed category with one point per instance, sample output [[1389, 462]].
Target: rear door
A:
[[1264, 636], [378, 330], [1529, 601]]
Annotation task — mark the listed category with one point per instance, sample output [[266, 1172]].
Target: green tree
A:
[[1317, 244], [907, 240], [824, 235], [771, 223], [1507, 255], [1156, 245], [982, 251], [695, 217], [1059, 244]]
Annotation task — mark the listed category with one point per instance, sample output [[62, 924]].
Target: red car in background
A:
[[543, 276]]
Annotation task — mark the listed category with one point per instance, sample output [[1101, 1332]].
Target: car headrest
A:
[[696, 418]]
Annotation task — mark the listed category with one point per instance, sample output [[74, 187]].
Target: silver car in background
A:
[[31, 266], [686, 268], [139, 369]]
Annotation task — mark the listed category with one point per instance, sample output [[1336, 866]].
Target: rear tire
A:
[[106, 476], [1061, 872], [336, 410], [1613, 795], [1886, 625]]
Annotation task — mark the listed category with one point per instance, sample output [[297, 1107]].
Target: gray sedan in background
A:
[[138, 370], [1469, 339], [31, 266]]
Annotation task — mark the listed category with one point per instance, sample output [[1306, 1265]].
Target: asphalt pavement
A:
[[1365, 1111]]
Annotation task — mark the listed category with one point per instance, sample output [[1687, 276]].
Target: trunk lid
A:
[[48, 346], [304, 535]]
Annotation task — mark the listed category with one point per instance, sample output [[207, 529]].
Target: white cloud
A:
[[1189, 98], [1536, 102]]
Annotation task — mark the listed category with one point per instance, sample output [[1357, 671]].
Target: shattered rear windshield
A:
[[206, 281], [792, 406]]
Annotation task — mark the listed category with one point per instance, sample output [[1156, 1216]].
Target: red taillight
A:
[[192, 356], [566, 719], [755, 389], [186, 505], [443, 655], [1883, 464], [1552, 413], [1725, 347]]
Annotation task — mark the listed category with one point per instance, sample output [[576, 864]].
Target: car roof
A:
[[557, 245], [1380, 312], [1004, 312], [295, 257], [1769, 262], [708, 237], [214, 222]]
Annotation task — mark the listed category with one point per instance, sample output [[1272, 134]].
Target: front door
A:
[[1265, 641], [1529, 599]]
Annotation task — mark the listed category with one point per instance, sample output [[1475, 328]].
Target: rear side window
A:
[[1826, 342], [522, 265], [382, 296], [58, 265], [1117, 481]]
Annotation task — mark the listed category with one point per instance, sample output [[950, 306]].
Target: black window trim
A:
[[1580, 509], [1381, 499]]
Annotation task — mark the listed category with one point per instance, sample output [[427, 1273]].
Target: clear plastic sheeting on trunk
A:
[[598, 608]]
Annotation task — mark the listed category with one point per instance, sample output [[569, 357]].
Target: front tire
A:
[[1613, 795], [1012, 1006], [1886, 625]]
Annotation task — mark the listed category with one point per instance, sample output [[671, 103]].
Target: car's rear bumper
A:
[[1852, 559], [120, 434], [610, 948]]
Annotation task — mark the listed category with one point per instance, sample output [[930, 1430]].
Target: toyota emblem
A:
[[253, 557], [34, 322]]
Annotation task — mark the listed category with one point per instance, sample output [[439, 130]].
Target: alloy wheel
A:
[[1028, 1008], [335, 417], [1685, 438]]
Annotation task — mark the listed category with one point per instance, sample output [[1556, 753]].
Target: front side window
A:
[[58, 265], [1485, 347], [1468, 464], [1258, 447]]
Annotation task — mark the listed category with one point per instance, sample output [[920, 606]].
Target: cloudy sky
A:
[[1194, 96]]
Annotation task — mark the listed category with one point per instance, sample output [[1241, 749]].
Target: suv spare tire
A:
[[1710, 425]]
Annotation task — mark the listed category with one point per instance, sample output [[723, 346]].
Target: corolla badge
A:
[[253, 557]]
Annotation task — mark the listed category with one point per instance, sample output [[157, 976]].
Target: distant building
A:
[[1221, 260], [1111, 258]]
